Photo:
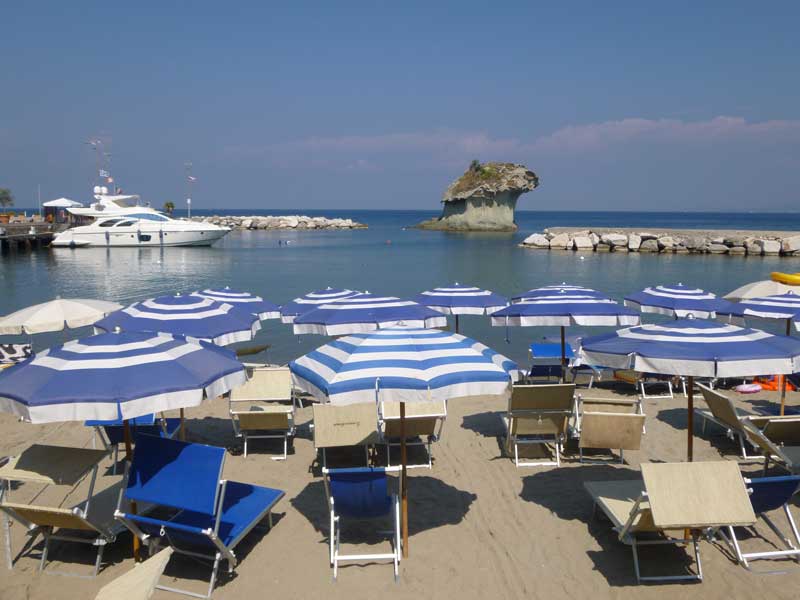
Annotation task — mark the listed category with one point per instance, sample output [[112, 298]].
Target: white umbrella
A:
[[55, 315], [757, 289]]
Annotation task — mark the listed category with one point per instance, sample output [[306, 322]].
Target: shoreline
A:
[[660, 240], [277, 222]]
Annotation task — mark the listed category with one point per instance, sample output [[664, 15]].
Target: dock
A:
[[24, 237]]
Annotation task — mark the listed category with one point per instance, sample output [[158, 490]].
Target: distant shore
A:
[[667, 241]]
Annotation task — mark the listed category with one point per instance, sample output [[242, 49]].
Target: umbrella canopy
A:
[[695, 348], [562, 306], [201, 318], [312, 300], [245, 300], [118, 375], [758, 289], [367, 312], [405, 365], [62, 203], [55, 315], [783, 306], [459, 299], [678, 301]]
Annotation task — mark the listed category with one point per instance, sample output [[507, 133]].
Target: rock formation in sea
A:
[[484, 198]]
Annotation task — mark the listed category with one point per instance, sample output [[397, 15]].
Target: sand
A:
[[480, 528]]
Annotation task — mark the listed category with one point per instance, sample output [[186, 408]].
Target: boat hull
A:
[[75, 238]]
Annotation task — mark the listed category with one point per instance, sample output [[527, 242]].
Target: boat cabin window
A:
[[126, 223], [109, 223], [149, 217]]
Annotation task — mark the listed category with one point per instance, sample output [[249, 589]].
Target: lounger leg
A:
[[332, 535], [635, 560], [245, 445], [116, 460], [734, 543], [46, 534], [697, 557], [580, 454], [621, 456], [778, 532], [214, 570], [99, 559], [792, 525], [516, 454], [558, 453], [7, 534]]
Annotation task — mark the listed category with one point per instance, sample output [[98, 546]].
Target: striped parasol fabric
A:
[[191, 316], [367, 312], [458, 299], [782, 306], [678, 301], [562, 306], [404, 365], [312, 300], [118, 376], [694, 347], [245, 300]]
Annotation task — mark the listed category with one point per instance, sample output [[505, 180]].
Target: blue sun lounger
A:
[[112, 433], [356, 494], [768, 494], [211, 515]]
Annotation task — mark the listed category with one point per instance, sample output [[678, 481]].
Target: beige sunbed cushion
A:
[[782, 430], [789, 455], [265, 384], [422, 418], [621, 431], [434, 408], [617, 499], [723, 409], [51, 465], [264, 417], [697, 494], [138, 583], [345, 425], [610, 405], [557, 396]]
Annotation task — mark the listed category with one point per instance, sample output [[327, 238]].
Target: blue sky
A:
[[617, 106]]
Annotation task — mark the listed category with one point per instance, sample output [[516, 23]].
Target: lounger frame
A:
[[552, 419], [422, 429]]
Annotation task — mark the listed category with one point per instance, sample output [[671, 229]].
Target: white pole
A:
[[39, 194], [189, 206]]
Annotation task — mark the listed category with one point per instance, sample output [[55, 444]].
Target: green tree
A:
[[6, 198], [169, 207]]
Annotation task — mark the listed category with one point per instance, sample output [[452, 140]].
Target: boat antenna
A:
[[189, 181]]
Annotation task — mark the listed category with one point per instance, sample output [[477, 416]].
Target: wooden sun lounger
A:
[[539, 414], [338, 426], [674, 497], [140, 582], [424, 424], [622, 431]]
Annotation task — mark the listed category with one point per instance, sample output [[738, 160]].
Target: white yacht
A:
[[122, 220]]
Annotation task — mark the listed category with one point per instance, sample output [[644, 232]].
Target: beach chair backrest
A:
[[177, 474], [265, 384], [45, 516], [264, 418], [556, 396], [140, 582], [51, 465], [345, 425], [757, 437], [360, 492], [608, 405], [611, 430], [783, 431], [771, 493], [721, 407], [422, 418]]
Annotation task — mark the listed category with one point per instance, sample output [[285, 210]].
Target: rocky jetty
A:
[[484, 198], [280, 222], [667, 241]]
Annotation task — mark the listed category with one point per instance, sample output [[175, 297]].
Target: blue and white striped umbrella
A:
[[678, 301], [562, 306], [367, 312], [312, 300], [118, 375], [694, 347], [782, 306], [458, 299], [201, 318], [251, 303], [404, 365]]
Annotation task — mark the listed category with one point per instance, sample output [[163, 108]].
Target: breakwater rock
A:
[[484, 198], [280, 222], [667, 241]]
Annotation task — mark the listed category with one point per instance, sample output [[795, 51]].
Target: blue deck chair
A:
[[546, 361], [112, 433], [211, 516], [768, 494], [360, 493]]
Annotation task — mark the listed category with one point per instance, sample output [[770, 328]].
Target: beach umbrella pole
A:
[[403, 480], [563, 356], [126, 436], [182, 432], [456, 323], [783, 377], [690, 420]]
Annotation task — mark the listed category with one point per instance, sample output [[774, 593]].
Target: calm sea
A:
[[385, 259]]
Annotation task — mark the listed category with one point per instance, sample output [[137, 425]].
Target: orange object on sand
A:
[[774, 384]]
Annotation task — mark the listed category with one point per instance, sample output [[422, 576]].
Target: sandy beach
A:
[[479, 526]]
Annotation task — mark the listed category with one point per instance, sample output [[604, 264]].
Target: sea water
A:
[[389, 259]]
